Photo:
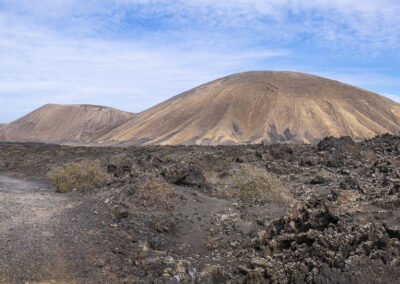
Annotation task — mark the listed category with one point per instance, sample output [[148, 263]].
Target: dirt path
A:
[[45, 236]]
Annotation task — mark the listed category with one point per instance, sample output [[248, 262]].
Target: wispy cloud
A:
[[129, 74], [373, 24], [131, 54], [396, 98]]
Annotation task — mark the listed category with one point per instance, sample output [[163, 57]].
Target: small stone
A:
[[100, 264], [192, 273], [144, 246], [260, 222], [243, 270], [320, 180], [175, 280], [345, 172], [121, 213], [118, 250], [169, 259]]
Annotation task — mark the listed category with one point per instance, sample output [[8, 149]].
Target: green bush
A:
[[254, 184], [80, 175]]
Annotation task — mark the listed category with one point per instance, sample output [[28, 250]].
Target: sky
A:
[[133, 54]]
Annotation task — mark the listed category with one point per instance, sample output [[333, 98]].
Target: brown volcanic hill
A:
[[267, 106], [63, 123]]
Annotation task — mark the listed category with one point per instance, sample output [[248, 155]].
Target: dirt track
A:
[[45, 236]]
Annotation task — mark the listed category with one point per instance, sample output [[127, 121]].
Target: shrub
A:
[[118, 159], [254, 184], [80, 175], [155, 192]]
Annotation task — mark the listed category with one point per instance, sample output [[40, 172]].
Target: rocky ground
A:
[[47, 236], [341, 225]]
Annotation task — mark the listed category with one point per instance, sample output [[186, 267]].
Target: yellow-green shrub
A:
[[79, 175], [254, 184]]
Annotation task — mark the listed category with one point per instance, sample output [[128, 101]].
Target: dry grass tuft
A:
[[80, 175], [118, 159], [255, 185], [155, 192]]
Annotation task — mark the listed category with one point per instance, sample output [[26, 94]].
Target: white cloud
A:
[[374, 24], [131, 54], [395, 98], [43, 66]]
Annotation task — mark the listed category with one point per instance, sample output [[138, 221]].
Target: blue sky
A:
[[132, 54]]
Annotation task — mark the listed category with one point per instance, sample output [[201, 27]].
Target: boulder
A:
[[184, 174]]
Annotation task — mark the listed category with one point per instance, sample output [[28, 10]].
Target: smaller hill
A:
[[53, 123]]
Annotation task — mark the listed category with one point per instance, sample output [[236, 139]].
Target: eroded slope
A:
[[262, 106], [63, 123]]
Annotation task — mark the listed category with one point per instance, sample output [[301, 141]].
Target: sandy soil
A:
[[47, 236]]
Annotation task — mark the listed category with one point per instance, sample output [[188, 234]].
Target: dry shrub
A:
[[212, 177], [155, 192], [256, 185], [118, 159], [80, 175]]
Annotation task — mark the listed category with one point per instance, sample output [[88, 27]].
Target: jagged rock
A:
[[318, 236], [320, 180], [121, 212], [310, 161], [333, 144], [348, 232], [212, 274], [184, 174], [351, 183], [123, 169]]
